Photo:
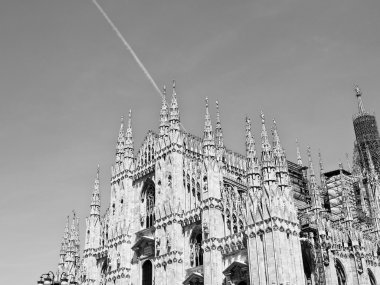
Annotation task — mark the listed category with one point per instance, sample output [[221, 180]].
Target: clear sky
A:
[[65, 80]]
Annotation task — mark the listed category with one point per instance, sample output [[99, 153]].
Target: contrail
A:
[[130, 49], [128, 46]]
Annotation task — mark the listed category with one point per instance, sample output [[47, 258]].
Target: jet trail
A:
[[130, 49], [128, 46]]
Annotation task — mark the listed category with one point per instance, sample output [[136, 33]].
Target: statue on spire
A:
[[174, 119], [299, 158], [358, 93]]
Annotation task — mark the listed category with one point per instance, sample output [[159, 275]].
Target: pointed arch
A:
[[148, 196], [340, 272], [196, 251], [372, 279]]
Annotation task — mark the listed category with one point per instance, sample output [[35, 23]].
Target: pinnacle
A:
[[299, 158]]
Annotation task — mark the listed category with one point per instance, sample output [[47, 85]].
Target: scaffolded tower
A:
[[367, 136]]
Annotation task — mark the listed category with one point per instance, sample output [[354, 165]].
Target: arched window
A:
[[148, 197], [340, 272], [147, 278], [196, 251], [372, 279]]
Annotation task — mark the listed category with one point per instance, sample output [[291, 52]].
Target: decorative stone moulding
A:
[[273, 224], [232, 243], [211, 203], [191, 216], [167, 220], [168, 258], [120, 175]]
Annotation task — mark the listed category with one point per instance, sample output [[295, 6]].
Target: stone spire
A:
[[253, 165], [164, 122], [208, 135], [276, 138], [95, 201], [358, 93], [321, 170], [280, 162], [71, 247], [250, 146], [268, 168], [218, 132], [64, 244], [128, 148], [174, 119], [77, 242], [120, 142], [265, 145], [314, 191], [299, 158], [66, 234]]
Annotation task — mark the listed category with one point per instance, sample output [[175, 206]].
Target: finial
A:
[[320, 161], [276, 139], [207, 116], [299, 158], [266, 153], [218, 132], [310, 161], [357, 90], [248, 129], [97, 172], [208, 136], [262, 117], [120, 141], [164, 90], [248, 121], [321, 169], [217, 111], [250, 141], [130, 118], [174, 92]]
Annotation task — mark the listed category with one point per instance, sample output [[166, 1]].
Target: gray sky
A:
[[66, 79]]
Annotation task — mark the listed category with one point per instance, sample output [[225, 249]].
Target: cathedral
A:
[[188, 210]]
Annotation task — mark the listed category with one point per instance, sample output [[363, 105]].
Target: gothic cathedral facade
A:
[[187, 210]]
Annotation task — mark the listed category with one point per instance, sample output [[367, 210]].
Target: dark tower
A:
[[367, 136]]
